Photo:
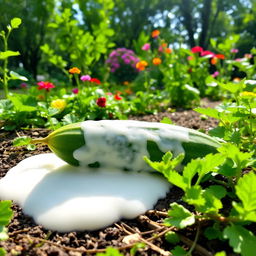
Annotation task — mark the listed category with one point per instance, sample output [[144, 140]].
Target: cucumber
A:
[[124, 143]]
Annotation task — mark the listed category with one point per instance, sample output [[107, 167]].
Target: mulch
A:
[[28, 238]]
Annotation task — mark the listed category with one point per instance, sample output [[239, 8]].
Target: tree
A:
[[35, 15]]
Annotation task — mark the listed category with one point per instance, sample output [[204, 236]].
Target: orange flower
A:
[[214, 60], [126, 83], [74, 70], [236, 79], [128, 91], [168, 50], [155, 33], [141, 65], [157, 61], [220, 56], [164, 45]]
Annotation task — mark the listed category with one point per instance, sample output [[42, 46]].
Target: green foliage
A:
[[5, 54], [231, 224], [5, 217], [110, 252]]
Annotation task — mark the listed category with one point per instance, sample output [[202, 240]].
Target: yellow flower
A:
[[59, 104], [157, 61], [248, 94], [74, 70], [141, 65]]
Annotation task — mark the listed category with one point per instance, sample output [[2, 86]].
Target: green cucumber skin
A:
[[64, 141]]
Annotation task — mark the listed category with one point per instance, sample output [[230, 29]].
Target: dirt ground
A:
[[27, 238]]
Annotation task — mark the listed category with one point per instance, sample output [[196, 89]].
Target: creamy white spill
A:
[[67, 198], [123, 143]]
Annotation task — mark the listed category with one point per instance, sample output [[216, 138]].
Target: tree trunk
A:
[[205, 16], [186, 11]]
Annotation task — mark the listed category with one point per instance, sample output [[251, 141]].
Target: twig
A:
[[151, 245]]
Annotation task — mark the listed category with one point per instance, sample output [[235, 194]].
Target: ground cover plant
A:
[[211, 87]]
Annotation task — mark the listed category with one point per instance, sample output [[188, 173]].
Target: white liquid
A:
[[66, 198], [123, 143]]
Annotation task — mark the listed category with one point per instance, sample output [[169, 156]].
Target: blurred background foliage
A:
[[56, 35]]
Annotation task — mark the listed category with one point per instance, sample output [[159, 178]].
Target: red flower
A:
[[117, 97], [95, 80], [220, 56], [197, 49], [45, 85], [101, 102]]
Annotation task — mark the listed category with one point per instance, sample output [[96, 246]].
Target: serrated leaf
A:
[[15, 22], [21, 141], [194, 196], [242, 240], [7, 54], [5, 212], [180, 217], [246, 192]]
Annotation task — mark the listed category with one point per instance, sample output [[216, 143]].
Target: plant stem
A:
[[5, 77]]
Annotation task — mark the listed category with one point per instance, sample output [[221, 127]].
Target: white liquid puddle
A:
[[66, 198]]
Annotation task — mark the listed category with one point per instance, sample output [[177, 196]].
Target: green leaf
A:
[[21, 141], [232, 87], [242, 240], [180, 216], [16, 76], [213, 232], [220, 254], [136, 247], [166, 120], [15, 22], [110, 252], [178, 251], [208, 111], [246, 192], [5, 212], [3, 233], [218, 132], [194, 196], [7, 54], [2, 252]]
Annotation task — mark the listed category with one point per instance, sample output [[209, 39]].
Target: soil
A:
[[28, 238]]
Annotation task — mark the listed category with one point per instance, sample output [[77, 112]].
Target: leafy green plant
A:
[[236, 116], [231, 223], [5, 217], [5, 54]]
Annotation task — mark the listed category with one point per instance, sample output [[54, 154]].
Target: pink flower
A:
[[207, 53], [85, 78], [196, 49], [45, 85], [23, 85], [216, 73], [234, 50], [101, 102], [75, 90], [146, 47], [190, 58]]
